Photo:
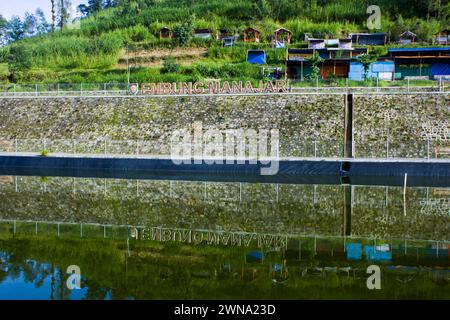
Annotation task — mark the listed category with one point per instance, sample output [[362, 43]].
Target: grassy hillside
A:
[[98, 51]]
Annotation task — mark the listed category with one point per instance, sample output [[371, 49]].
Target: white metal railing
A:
[[320, 148], [122, 89]]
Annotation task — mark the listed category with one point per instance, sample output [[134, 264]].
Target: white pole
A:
[[404, 194], [315, 149]]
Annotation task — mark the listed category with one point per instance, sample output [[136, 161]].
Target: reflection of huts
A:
[[165, 33], [407, 37], [443, 37], [283, 35], [252, 35]]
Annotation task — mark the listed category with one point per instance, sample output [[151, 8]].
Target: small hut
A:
[[203, 33], [407, 37], [282, 35], [443, 37], [252, 35], [306, 36], [222, 34], [229, 41], [345, 43], [316, 43], [165, 33]]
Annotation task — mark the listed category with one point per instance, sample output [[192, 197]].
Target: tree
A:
[[109, 4], [315, 60], [366, 60], [170, 65], [95, 5], [63, 13], [14, 29], [3, 24], [42, 26], [182, 33], [19, 58], [30, 24], [53, 14]]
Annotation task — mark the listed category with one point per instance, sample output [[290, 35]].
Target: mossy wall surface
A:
[[401, 125], [397, 124], [299, 118]]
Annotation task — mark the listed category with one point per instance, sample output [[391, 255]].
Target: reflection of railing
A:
[[307, 242], [89, 230]]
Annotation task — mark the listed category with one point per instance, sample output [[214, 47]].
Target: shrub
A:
[[182, 34], [170, 65]]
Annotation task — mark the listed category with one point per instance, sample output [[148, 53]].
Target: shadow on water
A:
[[227, 177]]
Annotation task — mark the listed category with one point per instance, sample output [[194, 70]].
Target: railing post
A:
[[14, 227], [14, 86], [57, 89], [81, 89], [315, 149], [408, 84], [428, 149], [387, 148], [36, 90]]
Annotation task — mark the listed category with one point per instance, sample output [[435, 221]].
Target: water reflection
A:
[[306, 268], [375, 211], [152, 239]]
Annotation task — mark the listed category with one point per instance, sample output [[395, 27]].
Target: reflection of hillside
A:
[[154, 270], [282, 208]]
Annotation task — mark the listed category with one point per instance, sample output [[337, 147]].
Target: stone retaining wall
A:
[[395, 124]]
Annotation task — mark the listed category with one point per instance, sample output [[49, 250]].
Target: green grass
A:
[[91, 53]]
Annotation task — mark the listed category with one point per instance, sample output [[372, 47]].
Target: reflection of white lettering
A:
[[244, 239], [374, 280]]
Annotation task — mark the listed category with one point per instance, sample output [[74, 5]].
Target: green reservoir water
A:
[[161, 239]]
